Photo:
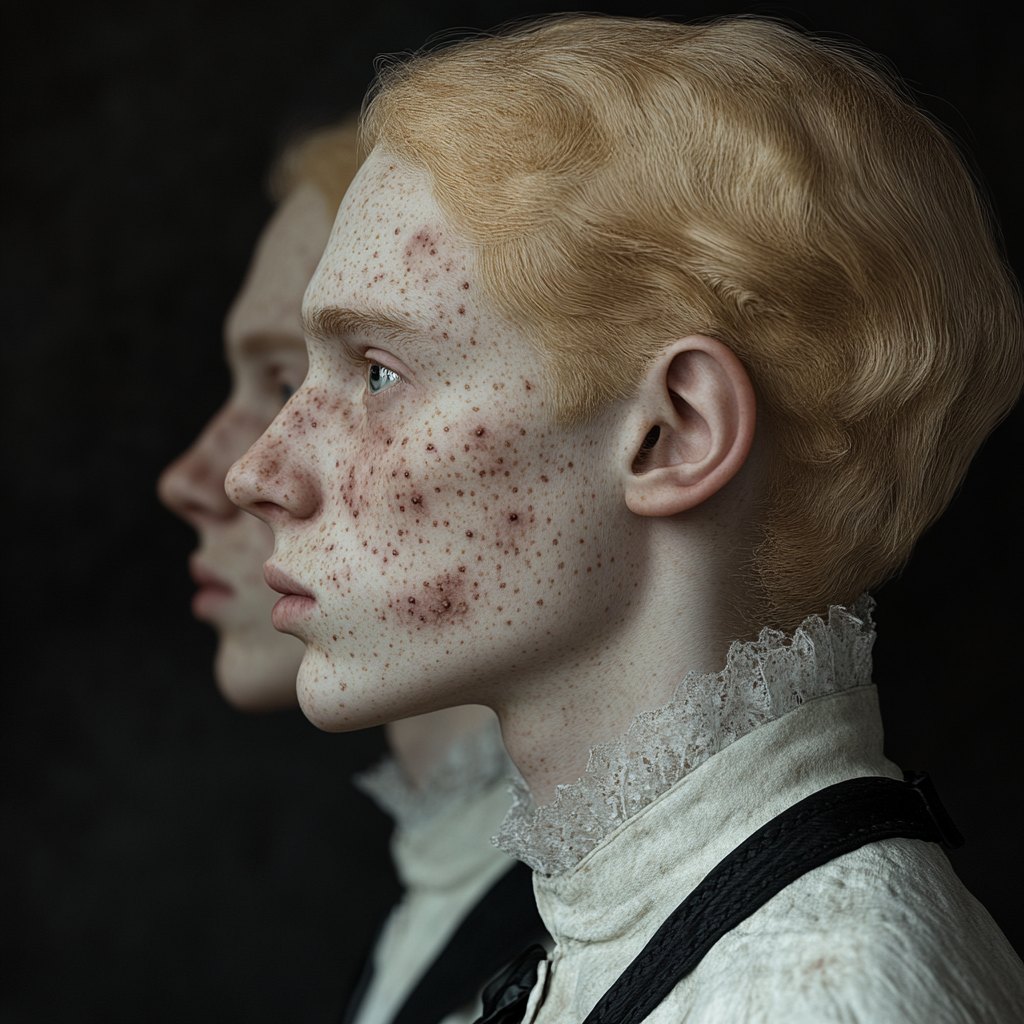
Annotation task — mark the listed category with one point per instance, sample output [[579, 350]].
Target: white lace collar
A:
[[762, 680], [473, 763]]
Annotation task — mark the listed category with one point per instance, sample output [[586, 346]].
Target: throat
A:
[[763, 680]]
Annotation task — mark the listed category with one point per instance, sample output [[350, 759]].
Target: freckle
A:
[[446, 430], [430, 447], [465, 284], [469, 533], [512, 518], [462, 568]]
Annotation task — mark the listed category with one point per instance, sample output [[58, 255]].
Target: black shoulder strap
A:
[[501, 924], [812, 832]]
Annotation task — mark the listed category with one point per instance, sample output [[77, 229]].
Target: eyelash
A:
[[383, 378]]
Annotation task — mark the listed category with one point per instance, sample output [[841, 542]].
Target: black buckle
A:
[[505, 997], [952, 838]]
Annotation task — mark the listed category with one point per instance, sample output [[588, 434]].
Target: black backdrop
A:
[[165, 858]]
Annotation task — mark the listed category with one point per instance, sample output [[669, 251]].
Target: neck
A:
[[691, 609], [419, 744]]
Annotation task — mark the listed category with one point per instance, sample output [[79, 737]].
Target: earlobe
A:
[[698, 412]]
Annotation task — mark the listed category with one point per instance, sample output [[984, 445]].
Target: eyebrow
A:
[[329, 323], [260, 344]]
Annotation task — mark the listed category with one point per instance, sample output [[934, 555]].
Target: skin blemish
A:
[[441, 602]]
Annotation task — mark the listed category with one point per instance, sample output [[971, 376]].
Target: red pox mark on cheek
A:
[[354, 491], [510, 528], [444, 601]]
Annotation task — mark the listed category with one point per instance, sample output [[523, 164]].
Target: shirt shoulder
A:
[[886, 934]]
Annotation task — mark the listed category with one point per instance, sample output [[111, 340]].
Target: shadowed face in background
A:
[[255, 665]]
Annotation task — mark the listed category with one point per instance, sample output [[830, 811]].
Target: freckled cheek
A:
[[459, 497]]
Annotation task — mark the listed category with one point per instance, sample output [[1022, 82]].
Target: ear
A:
[[695, 417]]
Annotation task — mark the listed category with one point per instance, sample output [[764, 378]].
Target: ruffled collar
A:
[[473, 763], [763, 680]]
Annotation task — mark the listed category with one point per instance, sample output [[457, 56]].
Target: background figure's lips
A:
[[213, 592], [203, 577]]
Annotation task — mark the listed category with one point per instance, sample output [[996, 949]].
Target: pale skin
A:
[[442, 540], [255, 665]]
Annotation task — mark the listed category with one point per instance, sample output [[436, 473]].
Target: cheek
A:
[[442, 514]]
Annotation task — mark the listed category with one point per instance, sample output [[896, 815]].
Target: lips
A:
[[213, 592], [297, 601]]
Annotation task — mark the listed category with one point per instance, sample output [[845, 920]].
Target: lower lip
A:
[[291, 610], [209, 599]]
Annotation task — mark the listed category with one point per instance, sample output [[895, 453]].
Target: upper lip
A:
[[202, 576], [279, 580]]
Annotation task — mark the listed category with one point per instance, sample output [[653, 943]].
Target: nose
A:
[[192, 486], [272, 481]]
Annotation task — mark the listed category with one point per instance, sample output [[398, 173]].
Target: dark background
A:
[[166, 858]]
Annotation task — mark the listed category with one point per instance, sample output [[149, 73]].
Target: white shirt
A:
[[445, 860], [884, 934]]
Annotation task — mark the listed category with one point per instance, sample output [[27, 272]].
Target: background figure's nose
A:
[[192, 486]]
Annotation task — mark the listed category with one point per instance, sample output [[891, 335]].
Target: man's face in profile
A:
[[437, 534]]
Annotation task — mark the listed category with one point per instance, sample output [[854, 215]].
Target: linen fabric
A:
[[884, 934]]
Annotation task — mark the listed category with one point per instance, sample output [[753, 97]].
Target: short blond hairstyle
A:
[[628, 182], [326, 158]]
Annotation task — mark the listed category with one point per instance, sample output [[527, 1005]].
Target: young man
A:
[[631, 339], [445, 784]]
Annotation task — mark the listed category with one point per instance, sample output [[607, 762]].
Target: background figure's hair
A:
[[627, 182], [327, 158]]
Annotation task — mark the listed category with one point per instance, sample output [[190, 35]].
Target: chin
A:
[[333, 705], [256, 677]]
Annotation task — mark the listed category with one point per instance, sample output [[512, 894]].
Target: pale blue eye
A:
[[381, 378]]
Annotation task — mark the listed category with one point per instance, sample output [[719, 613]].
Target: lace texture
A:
[[762, 680], [473, 763]]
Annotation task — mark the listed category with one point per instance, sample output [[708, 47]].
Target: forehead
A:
[[392, 252]]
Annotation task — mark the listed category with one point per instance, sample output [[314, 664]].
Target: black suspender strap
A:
[[826, 825]]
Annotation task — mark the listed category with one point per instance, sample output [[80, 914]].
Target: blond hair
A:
[[628, 182], [326, 158]]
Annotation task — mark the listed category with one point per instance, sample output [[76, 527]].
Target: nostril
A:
[[639, 463]]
